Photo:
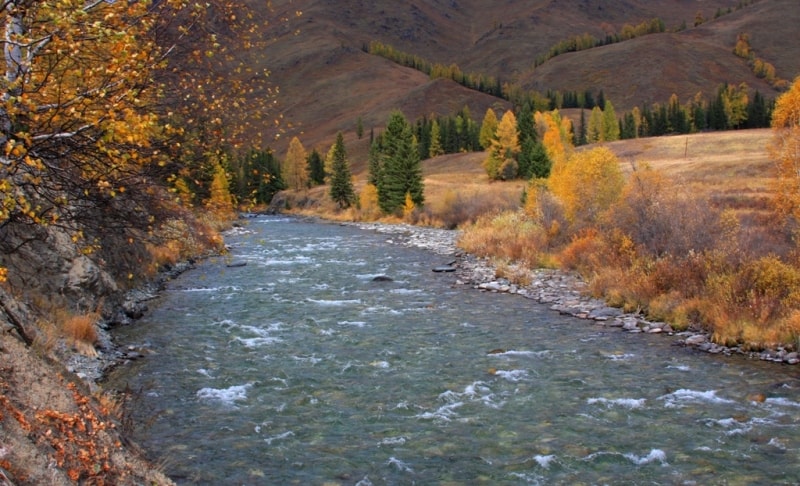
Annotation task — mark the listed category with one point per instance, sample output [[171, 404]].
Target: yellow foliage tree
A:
[[221, 202], [488, 127], [294, 168], [556, 135], [501, 162], [408, 206], [368, 202], [587, 184], [785, 150]]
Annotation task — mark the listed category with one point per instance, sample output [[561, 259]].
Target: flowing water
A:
[[298, 368]]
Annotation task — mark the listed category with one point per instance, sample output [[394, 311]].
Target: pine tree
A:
[[596, 131], [375, 164], [316, 168], [580, 139], [360, 128], [342, 191], [435, 148], [401, 171]]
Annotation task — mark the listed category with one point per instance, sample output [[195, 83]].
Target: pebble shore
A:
[[563, 292]]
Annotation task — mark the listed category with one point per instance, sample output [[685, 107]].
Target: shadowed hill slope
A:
[[327, 82]]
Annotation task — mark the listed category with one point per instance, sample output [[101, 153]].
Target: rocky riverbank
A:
[[563, 292]]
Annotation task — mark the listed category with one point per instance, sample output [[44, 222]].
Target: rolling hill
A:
[[326, 80]]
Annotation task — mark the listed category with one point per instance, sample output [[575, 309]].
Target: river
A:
[[299, 368]]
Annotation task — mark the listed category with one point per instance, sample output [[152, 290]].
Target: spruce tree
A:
[[435, 148], [401, 172], [316, 168], [342, 191]]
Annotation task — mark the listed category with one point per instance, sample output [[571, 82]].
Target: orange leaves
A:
[[74, 438]]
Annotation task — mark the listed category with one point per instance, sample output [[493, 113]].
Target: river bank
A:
[[563, 292]]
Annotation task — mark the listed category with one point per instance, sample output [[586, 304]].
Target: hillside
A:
[[327, 82]]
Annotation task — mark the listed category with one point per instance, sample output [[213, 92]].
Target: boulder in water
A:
[[444, 268], [383, 278]]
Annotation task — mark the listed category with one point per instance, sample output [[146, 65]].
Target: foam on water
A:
[[352, 323], [257, 342], [655, 455], [400, 465], [226, 396], [335, 303], [227, 288], [445, 413], [679, 367], [629, 403], [285, 435], [392, 441], [544, 461], [512, 352], [512, 375], [681, 397], [782, 402], [406, 291]]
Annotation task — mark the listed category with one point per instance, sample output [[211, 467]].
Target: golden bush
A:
[[81, 328]]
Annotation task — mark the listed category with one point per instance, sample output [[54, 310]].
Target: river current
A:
[[299, 368]]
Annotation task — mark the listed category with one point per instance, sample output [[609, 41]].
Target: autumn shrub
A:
[[368, 209], [510, 236], [456, 208], [587, 184], [586, 252], [544, 207], [81, 327]]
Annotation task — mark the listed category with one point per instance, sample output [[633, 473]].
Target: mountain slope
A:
[[327, 82]]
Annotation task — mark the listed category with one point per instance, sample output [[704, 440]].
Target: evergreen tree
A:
[[526, 132], [595, 132], [525, 126], [316, 168], [628, 129], [375, 165], [360, 128], [257, 177], [342, 191], [435, 148], [540, 162], [758, 115], [401, 172], [270, 181], [580, 138]]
